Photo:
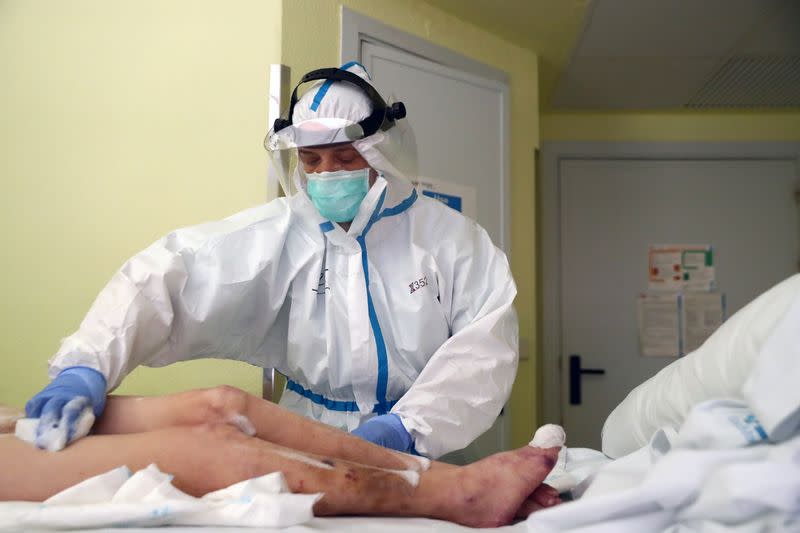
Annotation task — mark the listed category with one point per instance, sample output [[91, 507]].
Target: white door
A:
[[460, 127], [459, 123], [611, 210]]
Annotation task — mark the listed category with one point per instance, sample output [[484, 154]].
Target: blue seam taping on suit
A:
[[323, 90], [333, 405], [321, 94], [326, 226], [402, 206], [352, 63], [384, 407], [380, 344]]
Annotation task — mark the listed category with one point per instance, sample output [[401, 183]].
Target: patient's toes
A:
[[528, 506], [543, 497], [546, 496]]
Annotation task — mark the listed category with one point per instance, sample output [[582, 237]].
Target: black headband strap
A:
[[381, 116]]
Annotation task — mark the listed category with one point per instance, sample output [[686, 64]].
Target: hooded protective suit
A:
[[408, 312]]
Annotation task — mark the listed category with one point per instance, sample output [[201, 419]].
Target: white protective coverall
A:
[[408, 312]]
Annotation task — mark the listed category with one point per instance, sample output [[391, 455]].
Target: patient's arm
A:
[[133, 414], [207, 457]]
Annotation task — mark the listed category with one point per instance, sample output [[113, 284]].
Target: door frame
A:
[[552, 154], [357, 28]]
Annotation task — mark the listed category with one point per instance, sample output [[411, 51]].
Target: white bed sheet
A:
[[573, 466], [359, 524]]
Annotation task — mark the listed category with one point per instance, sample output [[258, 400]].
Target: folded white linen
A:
[[734, 465], [148, 498], [573, 466], [771, 389], [721, 368], [663, 486]]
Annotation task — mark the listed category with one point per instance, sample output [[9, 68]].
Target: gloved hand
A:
[[387, 431], [60, 403]]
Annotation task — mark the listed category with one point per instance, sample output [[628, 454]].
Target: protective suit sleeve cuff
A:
[[394, 422], [96, 383]]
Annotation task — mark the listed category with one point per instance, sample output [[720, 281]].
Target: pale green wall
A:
[[672, 126], [311, 39], [119, 121]]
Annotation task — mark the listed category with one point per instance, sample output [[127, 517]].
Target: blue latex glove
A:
[[63, 400], [387, 431]]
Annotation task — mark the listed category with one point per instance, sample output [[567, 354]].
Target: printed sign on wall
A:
[[462, 198], [688, 267]]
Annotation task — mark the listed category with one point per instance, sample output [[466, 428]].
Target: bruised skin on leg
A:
[[483, 494], [205, 458], [486, 493], [221, 405], [130, 414]]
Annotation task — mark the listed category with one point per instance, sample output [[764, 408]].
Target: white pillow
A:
[[718, 369]]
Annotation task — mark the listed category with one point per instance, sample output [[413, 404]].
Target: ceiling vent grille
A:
[[752, 82]]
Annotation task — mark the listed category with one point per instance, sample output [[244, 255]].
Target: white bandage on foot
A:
[[549, 436]]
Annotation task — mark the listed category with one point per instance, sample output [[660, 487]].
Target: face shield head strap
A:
[[382, 116]]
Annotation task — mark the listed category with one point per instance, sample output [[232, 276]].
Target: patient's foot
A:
[[490, 492], [543, 497]]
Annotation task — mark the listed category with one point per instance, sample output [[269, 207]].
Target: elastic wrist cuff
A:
[[95, 382]]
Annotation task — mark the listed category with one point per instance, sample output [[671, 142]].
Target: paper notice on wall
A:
[[462, 198], [659, 325], [703, 313], [681, 267], [674, 324]]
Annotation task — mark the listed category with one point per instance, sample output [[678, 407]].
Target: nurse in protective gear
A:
[[389, 313]]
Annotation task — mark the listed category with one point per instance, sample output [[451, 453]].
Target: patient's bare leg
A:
[[132, 414], [204, 458]]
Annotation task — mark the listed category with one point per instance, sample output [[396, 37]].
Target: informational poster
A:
[[681, 267], [659, 324], [703, 313], [672, 324], [462, 198]]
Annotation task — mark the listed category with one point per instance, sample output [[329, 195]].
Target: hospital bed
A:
[[719, 455]]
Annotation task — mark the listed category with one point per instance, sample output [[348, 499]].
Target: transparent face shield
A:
[[283, 147]]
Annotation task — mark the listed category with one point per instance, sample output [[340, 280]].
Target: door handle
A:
[[575, 372]]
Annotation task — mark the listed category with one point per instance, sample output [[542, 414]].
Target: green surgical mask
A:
[[337, 195]]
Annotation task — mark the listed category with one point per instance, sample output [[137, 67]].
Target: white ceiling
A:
[[651, 54], [635, 54], [548, 27]]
